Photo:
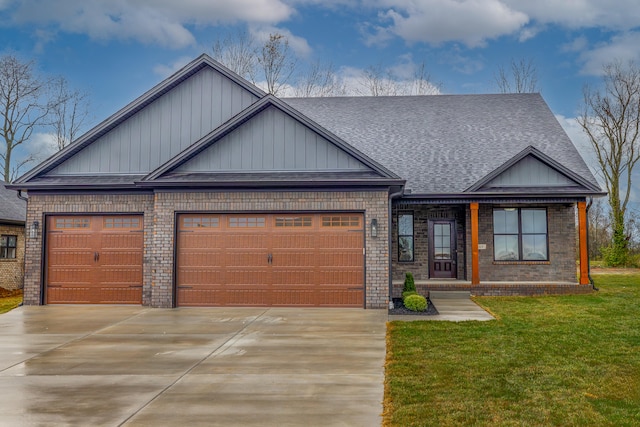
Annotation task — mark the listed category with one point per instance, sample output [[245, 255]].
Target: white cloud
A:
[[162, 22], [576, 45], [297, 44], [165, 70], [623, 47], [471, 22], [41, 146], [581, 141]]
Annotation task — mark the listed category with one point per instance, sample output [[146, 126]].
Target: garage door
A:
[[270, 260], [94, 259]]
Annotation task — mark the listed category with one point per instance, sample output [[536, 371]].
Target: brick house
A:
[[13, 212], [207, 191]]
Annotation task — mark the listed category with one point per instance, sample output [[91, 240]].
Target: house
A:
[[207, 191], [13, 212]]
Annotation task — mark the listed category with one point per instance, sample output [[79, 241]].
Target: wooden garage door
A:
[[270, 260], [94, 259]]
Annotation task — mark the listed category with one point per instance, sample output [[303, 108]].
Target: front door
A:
[[442, 249]]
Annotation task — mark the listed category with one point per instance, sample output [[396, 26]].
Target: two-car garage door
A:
[[314, 259], [270, 260]]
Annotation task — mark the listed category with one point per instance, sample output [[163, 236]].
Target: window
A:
[[8, 246], [121, 222], [246, 222], [200, 222], [72, 223], [298, 221], [520, 234], [340, 221], [405, 237]]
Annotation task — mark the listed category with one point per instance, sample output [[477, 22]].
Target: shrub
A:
[[409, 283], [408, 293], [416, 303]]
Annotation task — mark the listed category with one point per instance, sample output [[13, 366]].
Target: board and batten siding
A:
[[272, 141], [164, 128], [530, 172]]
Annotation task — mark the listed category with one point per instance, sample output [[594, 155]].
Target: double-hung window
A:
[[520, 234], [8, 246], [405, 237]]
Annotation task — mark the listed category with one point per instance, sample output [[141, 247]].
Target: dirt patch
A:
[[626, 271]]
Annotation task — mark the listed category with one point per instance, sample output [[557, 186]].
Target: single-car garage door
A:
[[94, 259], [270, 260]]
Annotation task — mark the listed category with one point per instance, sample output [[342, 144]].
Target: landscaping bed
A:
[[400, 310]]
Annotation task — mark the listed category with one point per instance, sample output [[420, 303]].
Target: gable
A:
[[272, 140], [163, 128], [530, 172]]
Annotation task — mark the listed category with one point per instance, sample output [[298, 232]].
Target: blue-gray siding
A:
[[272, 141], [164, 128], [530, 172]]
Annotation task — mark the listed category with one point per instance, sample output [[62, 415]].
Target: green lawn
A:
[[9, 301], [566, 361]]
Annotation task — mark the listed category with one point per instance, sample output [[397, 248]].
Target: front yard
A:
[[9, 300], [572, 360]]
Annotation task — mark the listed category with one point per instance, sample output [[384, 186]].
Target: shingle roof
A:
[[12, 209], [443, 144]]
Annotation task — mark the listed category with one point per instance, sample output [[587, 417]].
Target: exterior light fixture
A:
[[374, 227], [33, 230]]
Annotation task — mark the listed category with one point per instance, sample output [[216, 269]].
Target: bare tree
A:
[[23, 107], [69, 112], [239, 52], [276, 62], [599, 229], [377, 81], [320, 80], [611, 119], [521, 78]]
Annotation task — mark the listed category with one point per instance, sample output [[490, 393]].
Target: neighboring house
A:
[[207, 191], [13, 212]]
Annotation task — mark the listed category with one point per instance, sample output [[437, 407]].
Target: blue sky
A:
[[117, 49]]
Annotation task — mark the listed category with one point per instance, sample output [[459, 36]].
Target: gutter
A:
[[588, 257], [390, 220]]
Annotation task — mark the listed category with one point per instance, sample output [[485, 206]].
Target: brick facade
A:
[[159, 212], [12, 270], [561, 234], [555, 276]]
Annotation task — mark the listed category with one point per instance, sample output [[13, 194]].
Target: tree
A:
[[276, 62], [68, 112], [239, 52], [376, 81], [23, 107], [319, 81], [522, 77], [611, 119], [599, 229]]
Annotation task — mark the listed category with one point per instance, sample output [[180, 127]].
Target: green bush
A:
[[416, 303], [408, 293], [409, 283]]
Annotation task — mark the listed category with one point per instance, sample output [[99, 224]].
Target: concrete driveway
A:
[[136, 366]]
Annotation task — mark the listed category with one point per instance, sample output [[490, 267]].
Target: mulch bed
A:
[[400, 310], [5, 293]]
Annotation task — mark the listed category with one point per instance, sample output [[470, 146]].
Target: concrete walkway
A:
[[454, 306], [135, 366]]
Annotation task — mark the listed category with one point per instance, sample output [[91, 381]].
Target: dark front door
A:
[[442, 249]]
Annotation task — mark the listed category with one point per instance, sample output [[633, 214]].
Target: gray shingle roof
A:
[[443, 144], [12, 209]]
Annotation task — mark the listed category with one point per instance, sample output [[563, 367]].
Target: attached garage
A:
[[314, 259], [94, 259]]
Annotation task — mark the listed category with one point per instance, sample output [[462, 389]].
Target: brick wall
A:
[[373, 203], [12, 270], [41, 205], [421, 216], [561, 266], [159, 216]]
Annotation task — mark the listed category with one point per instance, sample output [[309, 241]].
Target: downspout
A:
[[24, 258], [588, 257], [390, 222]]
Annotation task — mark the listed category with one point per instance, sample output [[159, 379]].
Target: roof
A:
[[12, 209], [445, 144]]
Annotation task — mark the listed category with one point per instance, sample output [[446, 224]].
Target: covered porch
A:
[[491, 246]]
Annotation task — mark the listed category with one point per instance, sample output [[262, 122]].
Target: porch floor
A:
[[497, 288]]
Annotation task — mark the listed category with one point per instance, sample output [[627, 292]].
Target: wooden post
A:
[[475, 265], [582, 235]]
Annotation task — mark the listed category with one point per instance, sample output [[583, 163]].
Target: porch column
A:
[[582, 235], [475, 270]]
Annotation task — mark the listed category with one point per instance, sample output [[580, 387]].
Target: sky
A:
[[115, 50]]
